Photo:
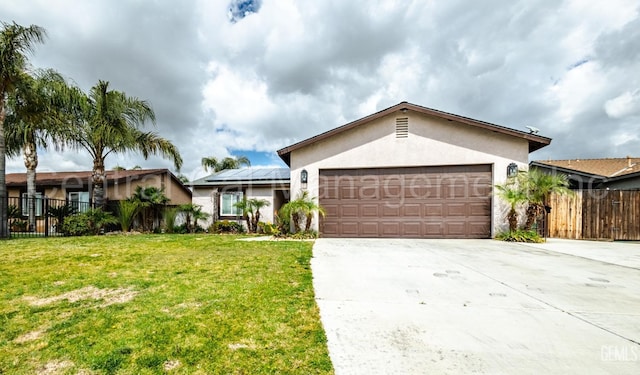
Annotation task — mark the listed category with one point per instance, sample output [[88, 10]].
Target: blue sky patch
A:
[[239, 9]]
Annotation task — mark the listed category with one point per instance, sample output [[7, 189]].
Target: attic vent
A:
[[402, 127]]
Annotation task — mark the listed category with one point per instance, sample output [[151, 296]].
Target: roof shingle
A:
[[608, 167]]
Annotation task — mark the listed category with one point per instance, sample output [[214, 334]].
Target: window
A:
[[79, 200], [25, 204], [227, 202]]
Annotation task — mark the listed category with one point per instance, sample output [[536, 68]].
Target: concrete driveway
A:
[[479, 306]]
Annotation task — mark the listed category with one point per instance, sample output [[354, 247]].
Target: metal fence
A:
[[40, 216]]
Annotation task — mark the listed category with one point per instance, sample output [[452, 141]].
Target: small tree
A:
[[301, 211], [538, 186], [192, 212], [251, 211], [514, 195], [127, 211]]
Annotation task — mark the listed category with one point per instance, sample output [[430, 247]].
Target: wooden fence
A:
[[595, 214]]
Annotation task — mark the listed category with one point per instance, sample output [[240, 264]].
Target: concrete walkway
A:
[[625, 254], [478, 306]]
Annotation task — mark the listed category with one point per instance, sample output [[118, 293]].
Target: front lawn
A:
[[183, 304]]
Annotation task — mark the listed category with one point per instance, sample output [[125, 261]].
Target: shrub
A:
[[169, 216], [268, 229], [19, 225], [75, 225], [86, 223], [13, 211], [127, 210], [520, 235], [60, 212], [226, 226]]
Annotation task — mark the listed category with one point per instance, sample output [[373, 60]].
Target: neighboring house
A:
[[611, 173], [75, 187], [218, 192], [409, 171]]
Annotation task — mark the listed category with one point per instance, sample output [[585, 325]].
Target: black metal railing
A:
[[39, 216]]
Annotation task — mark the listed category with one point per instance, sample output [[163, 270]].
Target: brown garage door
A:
[[422, 202]]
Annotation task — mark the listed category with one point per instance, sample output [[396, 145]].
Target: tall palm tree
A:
[[109, 123], [227, 163], [15, 43], [35, 119]]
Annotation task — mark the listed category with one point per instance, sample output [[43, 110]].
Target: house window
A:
[[227, 202], [25, 204], [79, 200]]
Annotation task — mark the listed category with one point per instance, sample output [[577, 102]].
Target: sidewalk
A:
[[625, 254]]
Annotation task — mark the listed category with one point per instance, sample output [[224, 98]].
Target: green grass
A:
[[180, 304]]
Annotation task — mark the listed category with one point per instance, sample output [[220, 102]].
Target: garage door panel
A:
[[391, 192], [433, 202], [456, 228], [389, 210], [456, 209], [411, 229], [478, 229], [411, 210], [433, 209], [369, 229], [433, 229], [348, 192], [369, 210], [390, 229], [330, 229], [349, 210], [349, 228], [478, 209]]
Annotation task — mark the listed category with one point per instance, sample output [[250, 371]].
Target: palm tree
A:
[[301, 208], [150, 200], [514, 195], [192, 211], [538, 186], [34, 120], [15, 42], [109, 124], [251, 211], [227, 163]]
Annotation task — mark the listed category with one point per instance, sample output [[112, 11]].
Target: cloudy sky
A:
[[249, 77]]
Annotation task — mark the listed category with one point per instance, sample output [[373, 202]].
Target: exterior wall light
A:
[[512, 170], [304, 176]]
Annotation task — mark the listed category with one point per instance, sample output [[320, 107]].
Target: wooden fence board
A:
[[595, 214]]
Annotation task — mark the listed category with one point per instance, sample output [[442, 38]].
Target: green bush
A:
[[127, 210], [75, 225], [19, 225], [169, 215], [226, 226], [90, 222], [268, 229], [520, 235]]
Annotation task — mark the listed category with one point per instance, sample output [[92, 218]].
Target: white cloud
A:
[[627, 104], [295, 69]]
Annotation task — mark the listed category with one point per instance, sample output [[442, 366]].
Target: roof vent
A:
[[402, 127]]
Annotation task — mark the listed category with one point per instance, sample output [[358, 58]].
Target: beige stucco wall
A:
[[125, 189], [119, 190], [204, 196], [431, 141]]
